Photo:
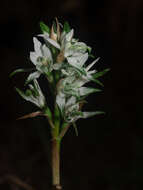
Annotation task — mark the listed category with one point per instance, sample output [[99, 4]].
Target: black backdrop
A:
[[108, 153]]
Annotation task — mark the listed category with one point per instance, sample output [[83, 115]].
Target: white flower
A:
[[33, 94], [67, 44], [71, 88], [71, 47], [62, 59], [77, 60], [47, 38], [81, 74], [41, 58]]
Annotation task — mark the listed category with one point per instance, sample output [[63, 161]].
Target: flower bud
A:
[[53, 35], [58, 29], [60, 57]]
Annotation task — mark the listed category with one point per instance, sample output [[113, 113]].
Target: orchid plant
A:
[[62, 59]]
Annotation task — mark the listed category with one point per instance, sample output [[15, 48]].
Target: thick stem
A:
[[56, 164]]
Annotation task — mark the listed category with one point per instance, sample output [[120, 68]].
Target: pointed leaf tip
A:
[[90, 114], [31, 115], [44, 27], [98, 82], [101, 73], [19, 71], [66, 27]]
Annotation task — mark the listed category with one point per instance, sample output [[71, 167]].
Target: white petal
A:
[[78, 61], [37, 86], [83, 59], [77, 54], [34, 101], [53, 42], [63, 34], [92, 72], [47, 52], [81, 47], [56, 66], [37, 45], [91, 65], [72, 61], [81, 82], [71, 101], [45, 35], [86, 115], [33, 76], [90, 114], [40, 98], [69, 35], [67, 50], [65, 72], [85, 91], [81, 44], [60, 100], [33, 57]]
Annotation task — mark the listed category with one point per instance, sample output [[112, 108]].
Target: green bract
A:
[[62, 59]]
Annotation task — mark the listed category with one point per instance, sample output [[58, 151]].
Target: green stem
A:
[[55, 130], [64, 129], [56, 150], [56, 164]]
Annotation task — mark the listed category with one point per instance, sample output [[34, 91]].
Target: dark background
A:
[[108, 153]]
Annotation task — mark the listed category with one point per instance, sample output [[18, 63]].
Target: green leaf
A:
[[54, 50], [20, 71], [81, 70], [64, 125], [92, 56], [90, 114], [48, 112], [98, 82], [44, 28], [20, 93], [75, 128], [89, 49], [66, 27], [26, 96], [101, 73]]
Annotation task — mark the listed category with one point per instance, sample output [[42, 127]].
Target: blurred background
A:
[[108, 153]]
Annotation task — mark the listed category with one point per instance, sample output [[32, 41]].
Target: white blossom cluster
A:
[[62, 59]]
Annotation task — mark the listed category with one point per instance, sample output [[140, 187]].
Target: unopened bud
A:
[[53, 35], [58, 29], [60, 57]]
